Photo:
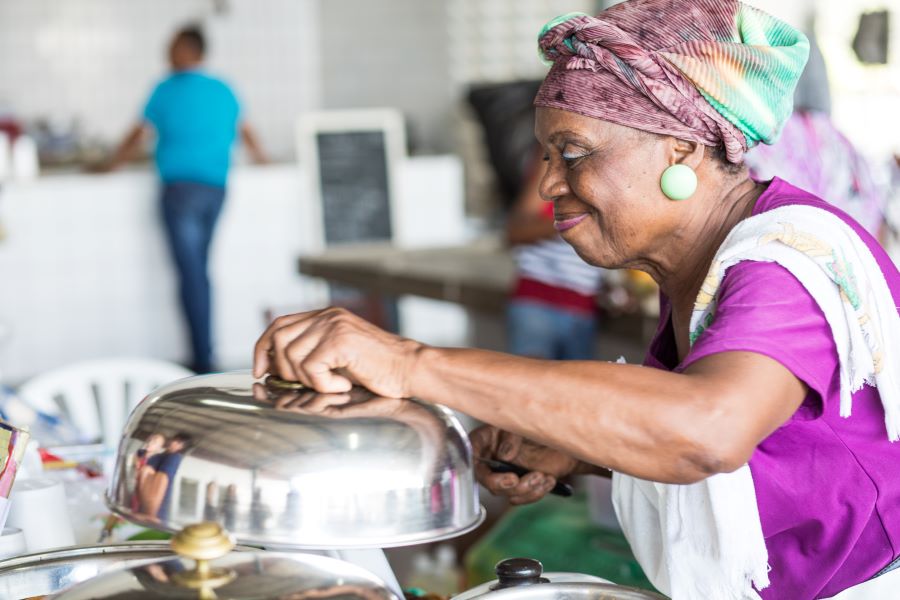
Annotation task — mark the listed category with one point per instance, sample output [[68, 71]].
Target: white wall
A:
[[391, 53], [97, 60]]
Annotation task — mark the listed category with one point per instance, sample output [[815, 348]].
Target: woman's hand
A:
[[330, 350], [546, 465]]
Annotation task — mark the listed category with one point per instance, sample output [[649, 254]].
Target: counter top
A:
[[89, 274], [130, 170]]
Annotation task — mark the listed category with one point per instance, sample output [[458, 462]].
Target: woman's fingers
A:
[[490, 442], [293, 343], [531, 488], [292, 346], [500, 484], [509, 446], [265, 349], [484, 441], [317, 352], [332, 349], [320, 367]]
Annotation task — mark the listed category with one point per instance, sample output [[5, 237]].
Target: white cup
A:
[[25, 164], [12, 542], [38, 507]]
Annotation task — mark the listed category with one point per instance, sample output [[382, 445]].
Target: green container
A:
[[150, 535], [559, 533]]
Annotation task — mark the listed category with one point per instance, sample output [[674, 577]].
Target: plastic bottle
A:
[[438, 574], [5, 158], [446, 571], [421, 574]]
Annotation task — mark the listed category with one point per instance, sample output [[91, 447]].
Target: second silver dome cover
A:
[[293, 468], [253, 576]]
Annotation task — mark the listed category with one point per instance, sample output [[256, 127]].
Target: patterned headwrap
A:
[[717, 72]]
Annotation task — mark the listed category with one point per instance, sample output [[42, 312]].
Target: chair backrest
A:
[[98, 395]]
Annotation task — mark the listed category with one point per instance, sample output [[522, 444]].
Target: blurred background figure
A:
[[552, 313], [196, 118], [155, 490], [229, 507], [211, 506], [552, 309], [814, 155], [153, 446]]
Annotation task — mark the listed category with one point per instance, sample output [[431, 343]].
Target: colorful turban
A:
[[717, 72]]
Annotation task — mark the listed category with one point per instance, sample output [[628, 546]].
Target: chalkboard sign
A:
[[354, 186], [351, 158]]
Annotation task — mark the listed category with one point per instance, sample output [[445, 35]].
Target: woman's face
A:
[[603, 180]]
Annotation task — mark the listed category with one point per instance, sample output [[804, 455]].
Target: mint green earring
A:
[[678, 182]]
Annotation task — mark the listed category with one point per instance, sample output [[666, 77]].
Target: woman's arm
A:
[[652, 424]]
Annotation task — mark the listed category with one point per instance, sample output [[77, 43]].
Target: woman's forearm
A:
[[650, 423], [641, 421]]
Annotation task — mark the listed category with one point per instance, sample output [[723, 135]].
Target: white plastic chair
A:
[[98, 395]]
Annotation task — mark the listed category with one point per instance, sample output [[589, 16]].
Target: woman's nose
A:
[[553, 185]]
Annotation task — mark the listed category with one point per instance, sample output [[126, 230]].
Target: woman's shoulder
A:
[[780, 193]]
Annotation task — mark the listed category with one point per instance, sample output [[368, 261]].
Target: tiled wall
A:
[[419, 55], [390, 53], [497, 40], [96, 60]]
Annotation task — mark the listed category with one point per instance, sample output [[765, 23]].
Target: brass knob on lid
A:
[[203, 542], [283, 384]]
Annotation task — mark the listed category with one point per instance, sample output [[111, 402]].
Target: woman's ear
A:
[[686, 152]]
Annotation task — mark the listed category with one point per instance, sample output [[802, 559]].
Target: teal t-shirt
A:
[[196, 121]]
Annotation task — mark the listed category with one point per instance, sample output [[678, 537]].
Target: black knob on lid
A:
[[514, 572]]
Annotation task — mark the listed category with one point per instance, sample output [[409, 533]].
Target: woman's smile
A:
[[564, 224]]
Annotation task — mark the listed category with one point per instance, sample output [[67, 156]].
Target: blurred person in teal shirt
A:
[[196, 118]]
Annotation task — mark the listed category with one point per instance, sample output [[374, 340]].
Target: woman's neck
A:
[[684, 262]]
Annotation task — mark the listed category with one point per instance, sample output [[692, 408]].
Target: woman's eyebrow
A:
[[566, 135]]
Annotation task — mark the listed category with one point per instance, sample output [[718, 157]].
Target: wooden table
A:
[[477, 276]]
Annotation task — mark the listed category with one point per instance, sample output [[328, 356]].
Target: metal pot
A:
[[523, 579], [281, 466], [206, 570]]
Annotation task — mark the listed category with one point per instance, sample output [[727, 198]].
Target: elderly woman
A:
[[736, 471]]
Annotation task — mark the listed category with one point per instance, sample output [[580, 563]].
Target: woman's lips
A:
[[564, 224]]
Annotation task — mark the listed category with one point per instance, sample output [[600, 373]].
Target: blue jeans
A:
[[541, 330], [190, 211]]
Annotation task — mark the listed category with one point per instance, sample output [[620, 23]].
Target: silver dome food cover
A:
[[289, 468], [263, 575]]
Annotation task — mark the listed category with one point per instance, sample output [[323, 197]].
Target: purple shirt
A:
[[827, 487]]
